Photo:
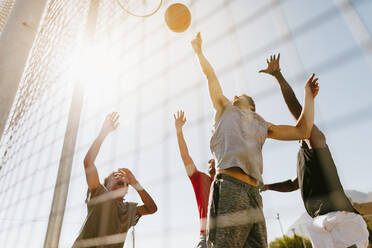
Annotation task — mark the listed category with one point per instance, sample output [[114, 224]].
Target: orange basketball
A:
[[178, 17]]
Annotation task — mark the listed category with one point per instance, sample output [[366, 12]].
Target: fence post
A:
[[64, 172]]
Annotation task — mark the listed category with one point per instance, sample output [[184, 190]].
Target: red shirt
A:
[[201, 183]]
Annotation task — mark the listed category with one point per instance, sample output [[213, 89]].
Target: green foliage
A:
[[291, 242]]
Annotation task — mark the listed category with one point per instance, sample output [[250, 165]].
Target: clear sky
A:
[[146, 73]]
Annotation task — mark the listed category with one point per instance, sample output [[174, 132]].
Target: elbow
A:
[[304, 131], [152, 209], [307, 133], [87, 162]]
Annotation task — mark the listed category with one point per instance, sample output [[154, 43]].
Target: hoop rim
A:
[[147, 15]]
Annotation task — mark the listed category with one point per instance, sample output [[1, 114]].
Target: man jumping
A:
[[335, 222], [236, 218], [109, 217], [201, 182]]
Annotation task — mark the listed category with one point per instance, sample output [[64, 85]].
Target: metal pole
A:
[[16, 41], [281, 228], [64, 172]]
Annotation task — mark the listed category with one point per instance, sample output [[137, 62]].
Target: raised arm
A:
[[286, 186], [317, 138], [215, 91], [290, 98], [149, 206], [179, 121], [91, 174], [304, 124]]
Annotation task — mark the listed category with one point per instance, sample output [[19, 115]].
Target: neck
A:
[[245, 107]]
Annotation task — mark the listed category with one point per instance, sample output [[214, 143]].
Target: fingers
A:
[[115, 116], [198, 35], [180, 116], [312, 77], [125, 170], [313, 85], [273, 58], [114, 119]]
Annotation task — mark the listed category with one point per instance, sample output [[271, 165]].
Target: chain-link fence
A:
[[5, 9], [137, 67]]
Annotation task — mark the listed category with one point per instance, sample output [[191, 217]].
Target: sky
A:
[[145, 72]]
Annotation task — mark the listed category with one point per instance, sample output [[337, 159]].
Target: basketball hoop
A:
[[140, 8]]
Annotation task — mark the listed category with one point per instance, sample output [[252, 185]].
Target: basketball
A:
[[178, 17]]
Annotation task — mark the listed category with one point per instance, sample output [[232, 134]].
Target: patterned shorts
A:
[[235, 217]]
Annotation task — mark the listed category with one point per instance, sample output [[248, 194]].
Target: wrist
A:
[[137, 186], [102, 134], [179, 130], [276, 73]]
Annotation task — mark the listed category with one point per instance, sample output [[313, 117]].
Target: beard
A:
[[236, 103]]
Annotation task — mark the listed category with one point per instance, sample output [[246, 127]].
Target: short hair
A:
[[250, 101]]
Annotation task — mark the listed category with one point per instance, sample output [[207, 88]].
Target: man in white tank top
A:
[[235, 217]]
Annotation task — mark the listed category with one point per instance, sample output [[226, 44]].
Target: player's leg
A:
[[233, 217]]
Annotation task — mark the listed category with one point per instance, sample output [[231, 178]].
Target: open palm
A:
[[111, 123], [272, 65], [179, 119]]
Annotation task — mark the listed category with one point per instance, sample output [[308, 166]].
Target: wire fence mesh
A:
[[140, 69], [5, 9]]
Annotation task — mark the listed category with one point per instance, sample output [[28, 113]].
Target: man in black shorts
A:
[[335, 222]]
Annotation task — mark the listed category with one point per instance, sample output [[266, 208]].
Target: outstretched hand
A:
[[312, 86], [179, 120], [196, 43], [110, 123], [272, 65]]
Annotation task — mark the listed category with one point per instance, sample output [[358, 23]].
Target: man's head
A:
[[114, 181], [244, 102], [211, 168]]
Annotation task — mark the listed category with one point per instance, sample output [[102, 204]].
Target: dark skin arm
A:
[[91, 174], [286, 186], [317, 138]]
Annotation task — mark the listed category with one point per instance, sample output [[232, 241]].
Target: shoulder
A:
[[98, 196], [226, 109], [100, 190], [193, 175], [257, 116]]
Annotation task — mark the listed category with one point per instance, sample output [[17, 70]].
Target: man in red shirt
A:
[[201, 182]]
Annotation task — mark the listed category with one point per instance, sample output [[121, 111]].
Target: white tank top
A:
[[237, 140]]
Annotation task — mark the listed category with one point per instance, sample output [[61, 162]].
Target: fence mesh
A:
[[137, 67], [5, 9]]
